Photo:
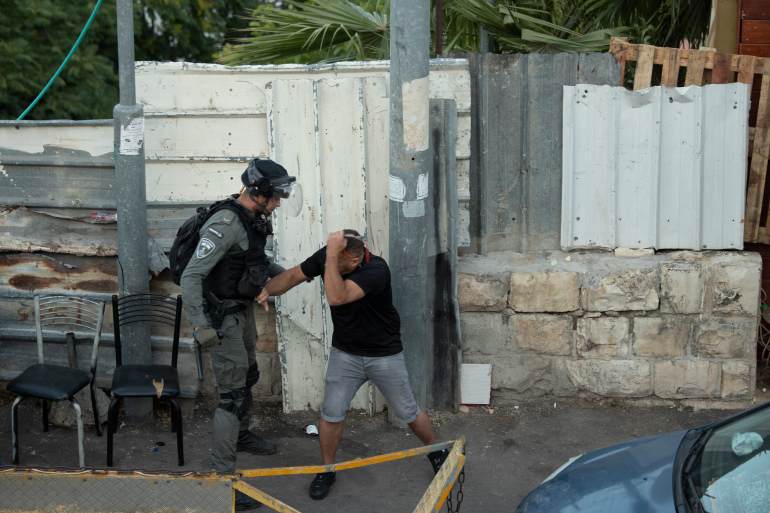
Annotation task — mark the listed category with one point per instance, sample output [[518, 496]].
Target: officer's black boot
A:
[[249, 442], [244, 503]]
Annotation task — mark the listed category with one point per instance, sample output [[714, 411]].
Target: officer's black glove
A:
[[207, 336]]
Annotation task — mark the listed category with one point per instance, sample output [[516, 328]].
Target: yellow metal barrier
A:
[[432, 500], [27, 490]]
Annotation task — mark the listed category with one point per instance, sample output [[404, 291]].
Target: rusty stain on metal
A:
[[96, 285], [34, 272], [31, 282]]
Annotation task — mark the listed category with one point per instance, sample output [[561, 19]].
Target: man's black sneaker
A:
[[319, 488], [248, 441], [244, 503], [437, 459]]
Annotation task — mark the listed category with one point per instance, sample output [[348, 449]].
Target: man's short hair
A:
[[355, 246]]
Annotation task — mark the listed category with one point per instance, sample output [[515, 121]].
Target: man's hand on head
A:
[[335, 244]]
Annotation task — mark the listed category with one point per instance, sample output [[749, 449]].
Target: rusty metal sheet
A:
[[24, 273], [73, 231]]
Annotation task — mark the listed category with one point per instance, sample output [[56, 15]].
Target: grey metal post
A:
[[485, 40], [410, 190], [133, 259]]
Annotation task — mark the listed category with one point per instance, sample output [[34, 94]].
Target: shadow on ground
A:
[[509, 451]]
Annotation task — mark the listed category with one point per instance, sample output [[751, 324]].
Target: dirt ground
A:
[[509, 451]]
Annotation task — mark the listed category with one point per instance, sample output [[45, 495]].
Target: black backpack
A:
[[188, 236]]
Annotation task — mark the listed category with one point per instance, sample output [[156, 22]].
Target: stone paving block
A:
[[603, 336], [633, 252], [611, 378], [687, 379], [520, 374], [267, 340], [268, 374], [632, 289], [544, 292], [725, 338], [485, 333], [681, 290], [737, 380], [543, 333], [734, 289], [661, 336], [484, 293]]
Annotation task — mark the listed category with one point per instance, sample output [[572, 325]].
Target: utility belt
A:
[[218, 309]]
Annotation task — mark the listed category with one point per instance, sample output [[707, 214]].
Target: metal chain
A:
[[449, 505]]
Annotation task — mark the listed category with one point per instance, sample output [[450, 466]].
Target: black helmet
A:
[[267, 178]]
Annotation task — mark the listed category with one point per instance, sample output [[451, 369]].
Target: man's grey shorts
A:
[[346, 373]]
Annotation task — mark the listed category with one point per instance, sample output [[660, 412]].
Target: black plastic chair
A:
[[146, 380], [58, 382]]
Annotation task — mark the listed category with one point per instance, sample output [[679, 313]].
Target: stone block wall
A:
[[658, 328]]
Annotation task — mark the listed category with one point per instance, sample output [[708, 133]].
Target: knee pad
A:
[[237, 402], [252, 375]]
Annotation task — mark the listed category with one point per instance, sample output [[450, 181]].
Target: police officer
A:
[[224, 275]]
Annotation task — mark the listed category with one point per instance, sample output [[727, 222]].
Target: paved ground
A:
[[509, 451]]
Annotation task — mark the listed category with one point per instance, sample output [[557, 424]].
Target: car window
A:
[[734, 470]]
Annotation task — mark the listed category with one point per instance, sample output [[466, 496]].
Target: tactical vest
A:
[[241, 275]]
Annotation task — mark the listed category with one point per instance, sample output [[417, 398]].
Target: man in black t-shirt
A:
[[366, 344]]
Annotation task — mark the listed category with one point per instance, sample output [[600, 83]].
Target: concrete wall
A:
[[655, 328]]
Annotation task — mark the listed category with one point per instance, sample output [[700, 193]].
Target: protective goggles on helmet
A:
[[366, 247], [283, 186]]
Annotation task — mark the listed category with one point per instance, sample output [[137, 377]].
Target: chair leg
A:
[[45, 415], [177, 414], [112, 426], [81, 437], [97, 420], [15, 429]]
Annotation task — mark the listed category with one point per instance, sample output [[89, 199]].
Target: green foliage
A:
[[654, 22], [329, 30], [36, 36], [528, 26]]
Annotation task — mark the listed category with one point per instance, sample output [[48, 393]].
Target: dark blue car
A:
[[722, 467]]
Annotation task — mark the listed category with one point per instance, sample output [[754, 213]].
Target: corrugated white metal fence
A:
[[660, 168]]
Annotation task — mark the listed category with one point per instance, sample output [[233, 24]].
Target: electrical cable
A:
[[66, 60]]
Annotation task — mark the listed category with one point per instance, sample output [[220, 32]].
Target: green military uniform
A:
[[234, 358]]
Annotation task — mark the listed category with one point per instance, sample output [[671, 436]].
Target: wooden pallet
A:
[[720, 66]]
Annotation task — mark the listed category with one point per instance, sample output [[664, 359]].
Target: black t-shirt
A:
[[369, 326]]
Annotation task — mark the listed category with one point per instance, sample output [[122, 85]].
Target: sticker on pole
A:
[[132, 137]]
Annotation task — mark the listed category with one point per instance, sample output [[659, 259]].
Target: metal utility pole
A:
[[410, 158], [133, 259]]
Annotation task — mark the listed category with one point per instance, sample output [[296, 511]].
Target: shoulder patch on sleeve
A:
[[215, 232], [205, 247], [227, 217]]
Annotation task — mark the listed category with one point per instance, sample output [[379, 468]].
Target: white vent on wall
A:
[[475, 383]]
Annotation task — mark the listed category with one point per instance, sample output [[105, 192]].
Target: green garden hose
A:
[[56, 75]]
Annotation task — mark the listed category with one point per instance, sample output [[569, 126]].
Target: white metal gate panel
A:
[[663, 167], [318, 131]]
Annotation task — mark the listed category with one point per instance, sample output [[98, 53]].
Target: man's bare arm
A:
[[281, 284]]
